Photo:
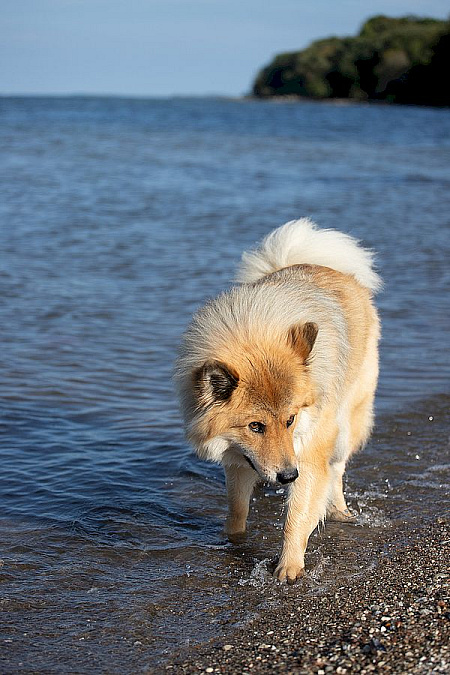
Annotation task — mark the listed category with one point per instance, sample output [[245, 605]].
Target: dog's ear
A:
[[215, 382], [302, 337]]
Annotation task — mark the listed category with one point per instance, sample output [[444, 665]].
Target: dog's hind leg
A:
[[240, 482], [353, 433], [337, 509]]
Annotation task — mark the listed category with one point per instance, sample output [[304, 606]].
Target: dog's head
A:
[[248, 406]]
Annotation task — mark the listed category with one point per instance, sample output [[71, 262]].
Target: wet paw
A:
[[289, 572], [235, 532], [236, 537], [336, 516]]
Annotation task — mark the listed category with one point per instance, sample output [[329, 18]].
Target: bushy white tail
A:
[[300, 242]]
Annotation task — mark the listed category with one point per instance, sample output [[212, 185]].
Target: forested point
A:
[[397, 60]]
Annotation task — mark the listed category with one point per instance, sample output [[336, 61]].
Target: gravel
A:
[[393, 619]]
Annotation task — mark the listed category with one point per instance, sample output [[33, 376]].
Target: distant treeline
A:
[[405, 60]]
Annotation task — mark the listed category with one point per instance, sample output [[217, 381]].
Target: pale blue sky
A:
[[165, 47]]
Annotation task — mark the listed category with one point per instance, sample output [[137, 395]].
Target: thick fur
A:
[[299, 242], [277, 376]]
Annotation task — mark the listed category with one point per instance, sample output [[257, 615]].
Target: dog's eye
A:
[[290, 421], [257, 427]]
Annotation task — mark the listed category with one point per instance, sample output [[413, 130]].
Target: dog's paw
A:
[[336, 516], [235, 532], [236, 537], [290, 572]]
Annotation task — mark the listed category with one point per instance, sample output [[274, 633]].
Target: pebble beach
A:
[[395, 620]]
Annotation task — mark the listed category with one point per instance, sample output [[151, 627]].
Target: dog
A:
[[277, 376]]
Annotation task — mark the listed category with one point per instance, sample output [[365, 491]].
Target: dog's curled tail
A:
[[300, 242]]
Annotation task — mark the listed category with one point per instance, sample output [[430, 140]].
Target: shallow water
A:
[[118, 218]]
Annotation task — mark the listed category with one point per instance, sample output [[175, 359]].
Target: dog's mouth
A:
[[247, 459], [262, 474], [238, 450]]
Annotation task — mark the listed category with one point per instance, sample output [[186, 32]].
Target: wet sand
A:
[[395, 618]]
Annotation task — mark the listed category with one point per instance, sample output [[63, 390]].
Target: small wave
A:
[[369, 515], [260, 575]]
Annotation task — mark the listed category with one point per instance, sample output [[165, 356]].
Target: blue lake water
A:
[[118, 218]]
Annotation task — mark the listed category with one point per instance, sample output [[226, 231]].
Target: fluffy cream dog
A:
[[277, 377]]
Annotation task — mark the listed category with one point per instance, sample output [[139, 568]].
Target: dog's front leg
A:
[[240, 483], [306, 507]]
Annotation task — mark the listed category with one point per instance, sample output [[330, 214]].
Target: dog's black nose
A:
[[287, 476]]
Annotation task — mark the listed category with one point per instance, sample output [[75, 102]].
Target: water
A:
[[118, 218]]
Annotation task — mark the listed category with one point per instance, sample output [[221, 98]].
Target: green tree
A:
[[386, 61]]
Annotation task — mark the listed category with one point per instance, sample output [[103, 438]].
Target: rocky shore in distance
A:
[[395, 60], [394, 619]]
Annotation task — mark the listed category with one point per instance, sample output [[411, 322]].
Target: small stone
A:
[[226, 648], [209, 670]]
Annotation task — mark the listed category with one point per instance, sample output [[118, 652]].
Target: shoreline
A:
[[395, 617], [239, 98], [293, 98]]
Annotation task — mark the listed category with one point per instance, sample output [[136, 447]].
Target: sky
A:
[[168, 47]]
